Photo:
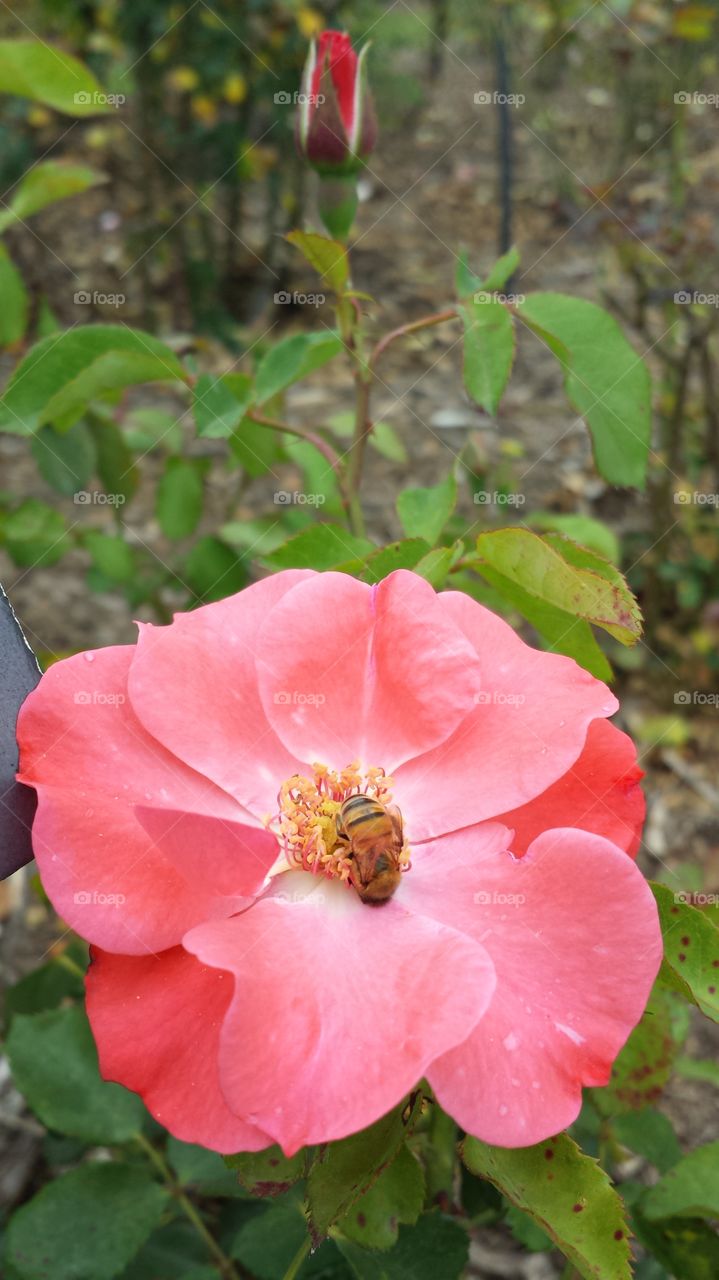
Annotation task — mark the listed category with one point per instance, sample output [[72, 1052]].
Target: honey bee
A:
[[373, 832]]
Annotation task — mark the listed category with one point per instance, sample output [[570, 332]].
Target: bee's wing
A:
[[397, 826]]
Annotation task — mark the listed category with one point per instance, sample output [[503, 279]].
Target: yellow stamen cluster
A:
[[308, 815]]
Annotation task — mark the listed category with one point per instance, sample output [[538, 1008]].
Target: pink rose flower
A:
[[187, 826]]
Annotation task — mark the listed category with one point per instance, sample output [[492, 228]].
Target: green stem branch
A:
[[322, 446], [225, 1264], [413, 327], [298, 1259]]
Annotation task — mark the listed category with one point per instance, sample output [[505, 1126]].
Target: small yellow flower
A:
[[182, 79], [234, 89]]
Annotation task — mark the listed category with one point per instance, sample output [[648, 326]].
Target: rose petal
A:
[[193, 686], [573, 934], [600, 792], [378, 674], [91, 761], [226, 857], [156, 1021], [339, 1007], [527, 729]]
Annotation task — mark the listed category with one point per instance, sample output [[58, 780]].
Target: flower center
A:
[[343, 825]]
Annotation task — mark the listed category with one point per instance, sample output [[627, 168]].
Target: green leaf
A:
[[267, 1242], [328, 257], [488, 349], [525, 1230], [561, 632], [689, 1190], [687, 1247], [44, 184], [115, 464], [86, 1225], [698, 1069], [397, 555], [423, 513], [345, 1170], [54, 1063], [397, 1196], [179, 498], [203, 1170], [691, 950], [465, 280], [293, 359], [256, 537], [385, 440], [322, 546], [560, 573], [44, 73], [629, 628], [577, 1206], [174, 1252], [255, 447], [435, 566], [35, 534], [63, 372], [650, 1134], [214, 570], [503, 268], [66, 460], [606, 381], [320, 488], [146, 429], [268, 1172], [110, 553], [644, 1065], [13, 314], [43, 988], [435, 1248], [591, 533], [47, 322], [218, 411]]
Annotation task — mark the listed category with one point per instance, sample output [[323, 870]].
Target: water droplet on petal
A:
[[89, 657], [503, 1110]]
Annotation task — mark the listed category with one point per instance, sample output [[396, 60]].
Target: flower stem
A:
[[298, 1259], [227, 1268], [364, 378], [363, 427]]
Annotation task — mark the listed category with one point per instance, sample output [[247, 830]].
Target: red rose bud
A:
[[336, 125]]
